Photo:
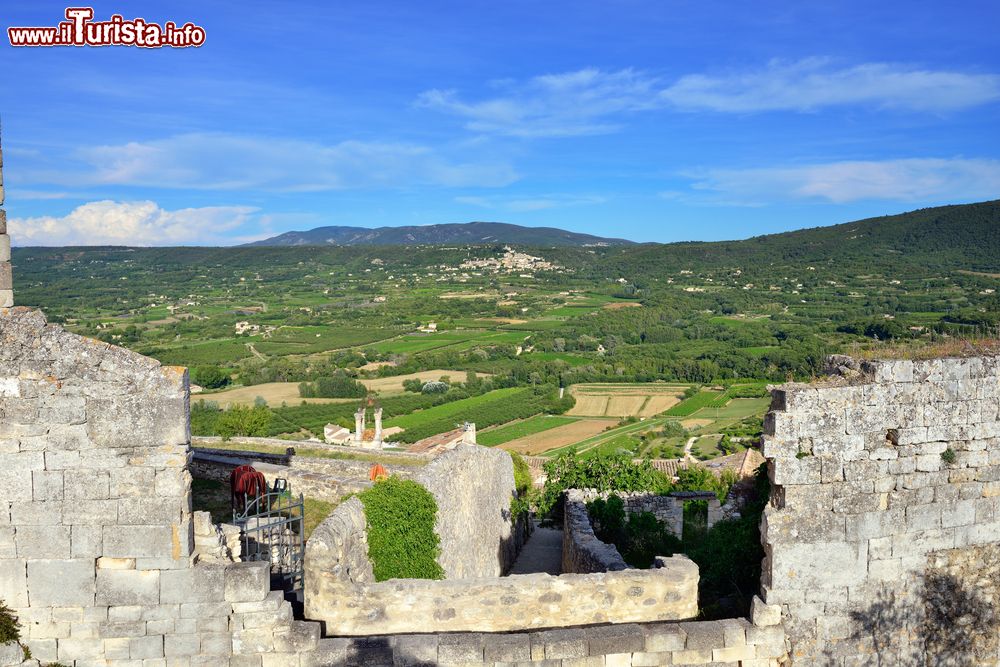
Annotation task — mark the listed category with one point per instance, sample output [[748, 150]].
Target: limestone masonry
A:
[[881, 537], [882, 533], [6, 280]]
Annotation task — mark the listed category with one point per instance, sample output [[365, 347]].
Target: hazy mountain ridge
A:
[[463, 233]]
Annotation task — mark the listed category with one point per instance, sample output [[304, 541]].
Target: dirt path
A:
[[688, 445]]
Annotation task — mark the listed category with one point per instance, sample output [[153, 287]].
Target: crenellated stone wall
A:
[[882, 534]]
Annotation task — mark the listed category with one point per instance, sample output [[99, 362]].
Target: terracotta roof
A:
[[438, 443]]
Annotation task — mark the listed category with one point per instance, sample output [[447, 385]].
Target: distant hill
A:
[[462, 233], [957, 236]]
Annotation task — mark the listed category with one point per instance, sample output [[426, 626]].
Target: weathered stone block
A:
[[61, 583], [13, 583], [146, 648], [247, 582], [296, 637], [141, 541], [664, 637], [43, 541], [624, 638], [763, 614], [128, 587], [204, 583], [463, 648], [506, 648], [328, 652], [562, 643]]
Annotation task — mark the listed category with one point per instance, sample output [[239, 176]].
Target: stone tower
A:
[[6, 278]]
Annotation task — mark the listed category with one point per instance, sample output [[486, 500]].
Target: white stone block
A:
[[61, 583], [14, 583], [128, 587]]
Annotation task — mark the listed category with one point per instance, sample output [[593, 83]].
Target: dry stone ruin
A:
[[881, 537]]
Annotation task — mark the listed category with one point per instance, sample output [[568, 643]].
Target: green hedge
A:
[[402, 543]]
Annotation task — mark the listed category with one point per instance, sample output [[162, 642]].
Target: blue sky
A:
[[656, 121]]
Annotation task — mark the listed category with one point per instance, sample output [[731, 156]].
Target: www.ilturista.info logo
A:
[[81, 30]]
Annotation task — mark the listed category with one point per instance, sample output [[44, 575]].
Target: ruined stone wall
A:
[[6, 279], [582, 551], [96, 531], [729, 643], [473, 487], [502, 604], [881, 537]]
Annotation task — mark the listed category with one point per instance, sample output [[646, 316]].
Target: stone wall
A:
[[582, 551], [6, 279], [502, 604], [96, 531], [473, 487], [881, 537]]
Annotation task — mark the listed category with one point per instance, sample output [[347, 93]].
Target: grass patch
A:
[[689, 406], [521, 429]]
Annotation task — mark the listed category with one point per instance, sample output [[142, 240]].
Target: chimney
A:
[[6, 277]]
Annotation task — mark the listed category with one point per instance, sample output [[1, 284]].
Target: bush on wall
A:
[[402, 543], [10, 631]]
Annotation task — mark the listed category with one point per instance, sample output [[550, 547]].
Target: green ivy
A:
[[402, 543], [10, 631], [608, 472], [521, 503]]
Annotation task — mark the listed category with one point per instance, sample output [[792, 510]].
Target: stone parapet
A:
[[513, 603]]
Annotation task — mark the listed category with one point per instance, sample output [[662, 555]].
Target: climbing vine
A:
[[402, 543]]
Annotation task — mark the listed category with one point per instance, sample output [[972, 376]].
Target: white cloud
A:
[[216, 161], [815, 83], [138, 223], [553, 105], [590, 101], [904, 180]]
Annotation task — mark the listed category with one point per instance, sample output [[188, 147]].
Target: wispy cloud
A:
[[555, 105], [815, 83], [217, 161], [141, 223], [543, 202], [592, 101], [904, 180]]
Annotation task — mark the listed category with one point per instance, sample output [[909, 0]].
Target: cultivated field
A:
[[624, 400], [276, 393], [558, 437]]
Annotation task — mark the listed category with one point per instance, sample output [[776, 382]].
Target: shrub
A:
[[210, 377], [522, 485], [336, 386], [435, 387], [948, 456], [606, 472], [639, 537], [729, 557], [10, 630], [242, 420], [402, 543], [697, 478]]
